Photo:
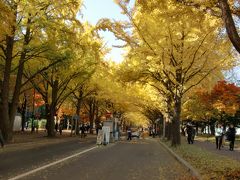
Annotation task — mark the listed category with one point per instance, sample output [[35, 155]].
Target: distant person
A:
[[218, 136], [231, 133], [27, 124], [83, 129], [99, 127], [153, 132], [129, 133], [61, 126], [190, 134], [1, 139], [56, 126]]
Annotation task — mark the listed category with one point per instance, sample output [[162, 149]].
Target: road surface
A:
[[22, 160], [125, 160]]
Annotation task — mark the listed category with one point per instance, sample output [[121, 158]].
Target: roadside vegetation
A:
[[209, 164]]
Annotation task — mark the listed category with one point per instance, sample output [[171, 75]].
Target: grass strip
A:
[[209, 165]]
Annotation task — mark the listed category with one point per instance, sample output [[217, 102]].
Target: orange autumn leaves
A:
[[224, 97]]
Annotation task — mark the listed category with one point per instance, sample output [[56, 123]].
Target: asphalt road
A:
[[23, 160], [140, 159]]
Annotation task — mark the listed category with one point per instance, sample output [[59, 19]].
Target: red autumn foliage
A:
[[225, 97]]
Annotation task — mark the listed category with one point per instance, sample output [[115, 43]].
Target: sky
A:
[[93, 10]]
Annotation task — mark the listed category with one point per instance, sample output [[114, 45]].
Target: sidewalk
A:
[[28, 139], [210, 146]]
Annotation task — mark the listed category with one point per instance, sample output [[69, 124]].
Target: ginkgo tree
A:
[[198, 106], [6, 19], [81, 49], [26, 40], [171, 47], [132, 99], [227, 10]]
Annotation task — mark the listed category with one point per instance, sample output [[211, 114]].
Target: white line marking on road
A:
[[51, 164]]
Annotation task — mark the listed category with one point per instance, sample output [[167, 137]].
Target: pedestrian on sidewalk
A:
[[218, 136], [231, 133], [1, 139], [56, 126], [189, 134], [83, 129], [61, 126], [129, 132]]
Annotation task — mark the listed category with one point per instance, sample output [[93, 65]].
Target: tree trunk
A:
[[164, 128], [51, 123], [92, 109], [24, 106], [5, 126], [79, 104], [91, 119], [169, 131], [97, 120], [176, 137], [229, 24], [16, 94], [17, 89], [47, 112]]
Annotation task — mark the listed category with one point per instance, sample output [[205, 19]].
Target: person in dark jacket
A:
[[190, 132], [231, 136], [61, 126], [83, 129], [129, 133]]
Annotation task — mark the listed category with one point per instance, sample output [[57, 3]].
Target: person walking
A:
[[189, 134], [129, 133], [231, 133], [56, 126], [82, 129], [61, 127], [218, 136]]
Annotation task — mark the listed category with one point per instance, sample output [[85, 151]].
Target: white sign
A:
[[17, 123]]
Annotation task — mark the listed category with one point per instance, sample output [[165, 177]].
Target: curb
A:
[[192, 170]]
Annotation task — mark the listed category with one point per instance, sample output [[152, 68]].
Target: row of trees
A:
[[173, 48], [220, 104], [46, 48]]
